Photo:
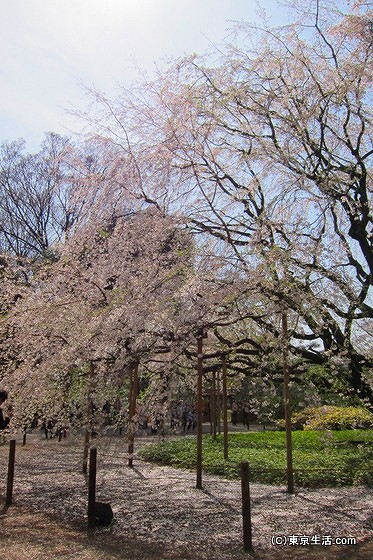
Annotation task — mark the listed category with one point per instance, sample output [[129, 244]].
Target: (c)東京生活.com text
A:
[[305, 540]]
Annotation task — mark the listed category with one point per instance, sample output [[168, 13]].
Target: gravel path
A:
[[159, 514]]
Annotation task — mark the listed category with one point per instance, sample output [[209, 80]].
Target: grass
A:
[[320, 458]]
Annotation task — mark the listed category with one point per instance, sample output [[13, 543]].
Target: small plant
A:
[[330, 418]]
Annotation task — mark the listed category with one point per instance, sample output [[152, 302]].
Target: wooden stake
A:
[[11, 463], [85, 451], [92, 488], [246, 507]]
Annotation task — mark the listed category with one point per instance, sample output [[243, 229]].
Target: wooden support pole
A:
[[246, 507], [85, 451], [92, 488], [199, 407], [218, 402], [11, 463], [24, 437], [130, 447], [213, 405], [89, 419], [132, 413], [289, 453], [225, 407]]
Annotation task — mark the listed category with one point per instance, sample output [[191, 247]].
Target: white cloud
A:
[[49, 47]]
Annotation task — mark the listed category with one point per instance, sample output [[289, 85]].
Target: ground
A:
[[160, 515]]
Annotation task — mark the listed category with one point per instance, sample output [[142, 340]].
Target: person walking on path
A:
[[234, 413]]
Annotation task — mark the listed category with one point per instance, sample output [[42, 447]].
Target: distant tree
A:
[[35, 197], [14, 282]]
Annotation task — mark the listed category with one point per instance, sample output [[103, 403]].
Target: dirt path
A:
[[160, 515]]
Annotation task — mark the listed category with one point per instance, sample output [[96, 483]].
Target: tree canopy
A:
[[269, 152], [248, 181]]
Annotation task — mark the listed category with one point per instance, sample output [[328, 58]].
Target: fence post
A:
[[246, 507], [92, 488], [9, 488], [85, 451]]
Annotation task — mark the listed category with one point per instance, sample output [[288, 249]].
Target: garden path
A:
[[160, 515]]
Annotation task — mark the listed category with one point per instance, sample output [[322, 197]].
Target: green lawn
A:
[[320, 458]]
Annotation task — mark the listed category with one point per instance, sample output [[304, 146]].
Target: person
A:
[[246, 414], [234, 413], [3, 421]]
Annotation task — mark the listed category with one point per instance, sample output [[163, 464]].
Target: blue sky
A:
[[49, 48]]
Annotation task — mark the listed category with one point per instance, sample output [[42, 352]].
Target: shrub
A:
[[338, 418], [330, 418]]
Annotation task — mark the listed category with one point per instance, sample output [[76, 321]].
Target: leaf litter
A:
[[160, 515]]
